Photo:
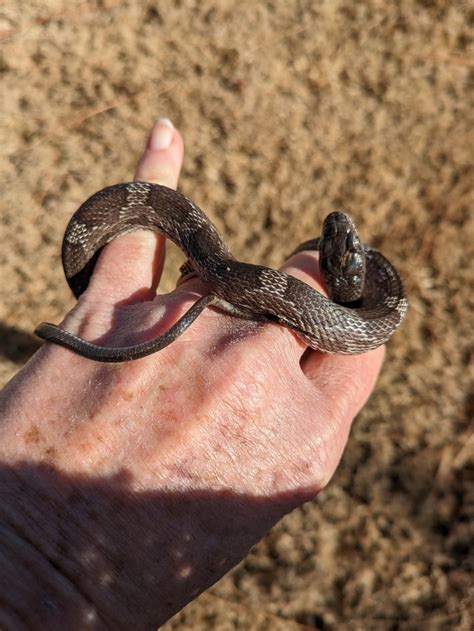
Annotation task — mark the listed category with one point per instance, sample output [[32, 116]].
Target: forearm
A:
[[34, 593], [82, 553]]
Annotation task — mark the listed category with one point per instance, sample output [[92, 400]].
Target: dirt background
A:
[[289, 109]]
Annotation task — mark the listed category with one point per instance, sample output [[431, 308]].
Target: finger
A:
[[129, 267], [305, 267], [343, 381]]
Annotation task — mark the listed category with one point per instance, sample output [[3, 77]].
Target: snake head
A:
[[342, 259]]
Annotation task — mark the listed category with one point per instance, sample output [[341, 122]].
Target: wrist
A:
[[92, 550], [35, 592]]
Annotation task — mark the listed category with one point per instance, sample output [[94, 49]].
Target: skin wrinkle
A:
[[302, 467], [183, 406], [162, 312], [241, 403], [248, 435], [321, 430], [209, 431], [137, 379], [347, 382], [44, 556], [86, 325], [121, 322], [23, 577]]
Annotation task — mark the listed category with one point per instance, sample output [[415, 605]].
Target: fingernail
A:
[[162, 134]]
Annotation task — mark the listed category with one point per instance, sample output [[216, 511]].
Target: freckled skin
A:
[[33, 436]]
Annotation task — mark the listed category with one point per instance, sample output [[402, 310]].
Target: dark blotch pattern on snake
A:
[[368, 300]]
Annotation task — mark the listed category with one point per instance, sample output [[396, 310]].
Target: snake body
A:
[[371, 310]]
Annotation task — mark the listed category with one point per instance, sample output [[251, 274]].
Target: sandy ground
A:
[[289, 109]]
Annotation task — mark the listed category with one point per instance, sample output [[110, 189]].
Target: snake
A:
[[366, 302]]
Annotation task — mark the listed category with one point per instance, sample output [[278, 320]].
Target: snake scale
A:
[[367, 297]]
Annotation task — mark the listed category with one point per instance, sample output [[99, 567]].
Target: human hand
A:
[[157, 476]]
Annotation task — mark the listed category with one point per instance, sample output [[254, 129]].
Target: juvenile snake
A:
[[367, 297]]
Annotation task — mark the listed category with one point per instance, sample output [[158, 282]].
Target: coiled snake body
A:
[[368, 301]]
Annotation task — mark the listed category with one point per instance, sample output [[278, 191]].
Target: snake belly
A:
[[242, 289]]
